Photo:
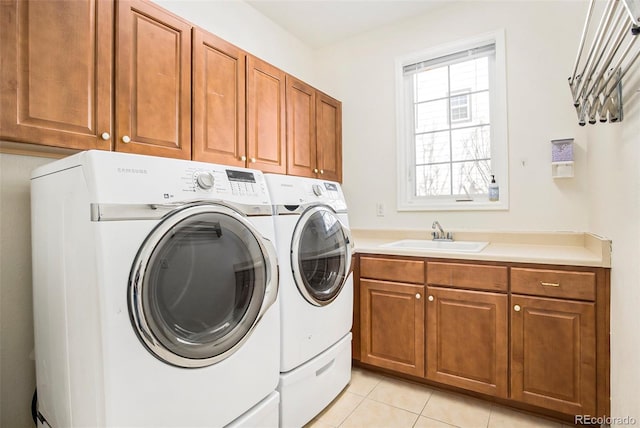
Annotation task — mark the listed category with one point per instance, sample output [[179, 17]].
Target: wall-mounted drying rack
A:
[[596, 82]]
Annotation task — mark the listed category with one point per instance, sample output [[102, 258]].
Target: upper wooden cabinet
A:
[[153, 81], [56, 72], [266, 120], [58, 67], [329, 137], [301, 132], [219, 70], [314, 132], [128, 75]]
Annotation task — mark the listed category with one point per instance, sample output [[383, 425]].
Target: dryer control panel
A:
[[289, 190]]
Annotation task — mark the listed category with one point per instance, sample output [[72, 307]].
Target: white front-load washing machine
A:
[[316, 294], [155, 288]]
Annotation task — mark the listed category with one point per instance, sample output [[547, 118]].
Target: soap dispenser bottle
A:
[[494, 190]]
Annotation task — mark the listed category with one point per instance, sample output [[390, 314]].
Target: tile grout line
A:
[[351, 412]]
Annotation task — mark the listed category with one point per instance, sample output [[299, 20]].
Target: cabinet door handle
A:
[[550, 284], [517, 308], [430, 298], [243, 158], [126, 139], [105, 136], [315, 170], [322, 171], [252, 160], [418, 296]]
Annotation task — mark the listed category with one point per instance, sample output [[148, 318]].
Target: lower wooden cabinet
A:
[[553, 354], [535, 336], [467, 340], [392, 326]]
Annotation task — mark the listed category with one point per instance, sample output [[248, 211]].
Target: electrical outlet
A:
[[380, 209]]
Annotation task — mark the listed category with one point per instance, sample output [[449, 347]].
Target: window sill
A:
[[482, 205]]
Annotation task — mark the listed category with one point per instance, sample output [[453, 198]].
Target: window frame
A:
[[466, 95], [407, 200]]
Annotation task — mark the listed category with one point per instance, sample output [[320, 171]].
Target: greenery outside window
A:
[[452, 126]]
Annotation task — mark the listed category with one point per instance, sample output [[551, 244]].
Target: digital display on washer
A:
[[331, 186], [243, 176]]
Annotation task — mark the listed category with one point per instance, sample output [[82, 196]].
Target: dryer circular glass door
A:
[[320, 255], [200, 283]]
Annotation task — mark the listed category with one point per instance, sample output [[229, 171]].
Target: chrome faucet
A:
[[439, 234]]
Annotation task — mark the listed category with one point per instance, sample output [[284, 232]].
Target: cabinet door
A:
[[218, 101], [467, 340], [56, 72], [266, 144], [329, 137], [301, 130], [153, 81], [553, 354], [392, 326]]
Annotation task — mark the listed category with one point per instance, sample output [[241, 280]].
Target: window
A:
[[452, 126], [459, 106]]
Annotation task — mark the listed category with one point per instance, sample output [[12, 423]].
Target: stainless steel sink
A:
[[428, 245]]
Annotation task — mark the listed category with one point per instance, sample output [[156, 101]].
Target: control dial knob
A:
[[317, 189], [205, 180]]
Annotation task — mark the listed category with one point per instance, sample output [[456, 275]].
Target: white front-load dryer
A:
[[155, 289], [314, 247]]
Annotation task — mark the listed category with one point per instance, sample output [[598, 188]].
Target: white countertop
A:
[[557, 248]]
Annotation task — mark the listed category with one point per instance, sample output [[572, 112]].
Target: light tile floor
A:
[[372, 400]]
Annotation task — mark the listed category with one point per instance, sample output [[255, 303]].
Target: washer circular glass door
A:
[[320, 255], [199, 284]]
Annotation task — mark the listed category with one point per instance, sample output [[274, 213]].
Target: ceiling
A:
[[319, 23]]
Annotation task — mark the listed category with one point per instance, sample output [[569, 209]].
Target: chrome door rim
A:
[[295, 247], [139, 269]]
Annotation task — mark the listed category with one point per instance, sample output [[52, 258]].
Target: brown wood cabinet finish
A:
[[546, 353], [392, 326], [399, 270], [218, 85], [153, 81], [328, 137], [301, 128], [135, 78], [554, 283], [477, 277], [266, 120], [467, 340], [49, 98], [553, 354], [314, 132]]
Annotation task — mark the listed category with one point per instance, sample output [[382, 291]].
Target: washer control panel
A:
[[217, 181], [242, 182], [317, 189], [325, 191], [204, 180]]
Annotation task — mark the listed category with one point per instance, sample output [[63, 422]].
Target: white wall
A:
[[245, 27], [233, 21], [541, 43], [17, 369], [614, 211]]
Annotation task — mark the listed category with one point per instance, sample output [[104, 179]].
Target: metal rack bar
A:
[[597, 89]]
